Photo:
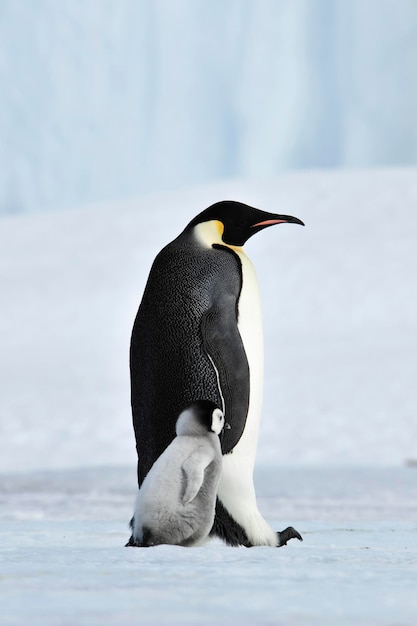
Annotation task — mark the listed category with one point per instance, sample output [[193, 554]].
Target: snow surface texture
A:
[[107, 99], [340, 321], [62, 559]]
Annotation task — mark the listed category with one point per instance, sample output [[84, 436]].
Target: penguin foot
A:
[[285, 535]]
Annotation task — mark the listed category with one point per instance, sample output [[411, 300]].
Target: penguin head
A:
[[236, 222], [199, 418]]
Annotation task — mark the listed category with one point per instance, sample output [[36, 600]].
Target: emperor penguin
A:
[[176, 502], [198, 334]]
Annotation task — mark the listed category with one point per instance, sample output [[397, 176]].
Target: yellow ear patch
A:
[[211, 232], [220, 227]]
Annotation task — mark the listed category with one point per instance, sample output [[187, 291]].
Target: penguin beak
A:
[[278, 219], [227, 426]]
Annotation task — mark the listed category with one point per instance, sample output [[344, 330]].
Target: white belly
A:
[[236, 489], [250, 329]]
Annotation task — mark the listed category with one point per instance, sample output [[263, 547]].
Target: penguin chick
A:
[[176, 502]]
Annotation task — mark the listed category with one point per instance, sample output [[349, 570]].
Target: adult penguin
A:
[[198, 334]]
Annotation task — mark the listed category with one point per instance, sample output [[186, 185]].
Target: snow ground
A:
[[63, 560]]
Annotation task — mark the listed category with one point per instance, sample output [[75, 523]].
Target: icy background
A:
[[105, 99]]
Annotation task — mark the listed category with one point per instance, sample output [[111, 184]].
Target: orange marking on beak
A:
[[268, 223]]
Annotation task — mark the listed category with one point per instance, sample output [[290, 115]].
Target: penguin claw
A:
[[285, 535]]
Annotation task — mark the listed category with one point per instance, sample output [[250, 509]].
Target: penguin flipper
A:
[[224, 347], [193, 468]]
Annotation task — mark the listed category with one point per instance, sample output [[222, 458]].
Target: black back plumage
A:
[[184, 338]]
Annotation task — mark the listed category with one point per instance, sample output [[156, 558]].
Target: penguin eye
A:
[[217, 420]]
